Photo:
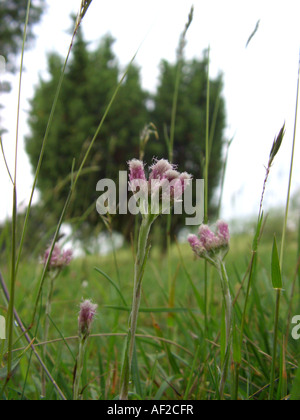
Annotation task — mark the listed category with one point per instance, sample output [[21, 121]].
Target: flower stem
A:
[[79, 367], [272, 379], [139, 269], [46, 327], [228, 321]]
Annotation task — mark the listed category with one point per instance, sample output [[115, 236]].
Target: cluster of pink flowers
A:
[[208, 244], [162, 176], [59, 258], [86, 317]]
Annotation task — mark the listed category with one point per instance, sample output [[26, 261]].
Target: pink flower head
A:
[[136, 170], [195, 243], [159, 169], [59, 258], [210, 245], [185, 179], [164, 187], [223, 232], [208, 239], [86, 317]]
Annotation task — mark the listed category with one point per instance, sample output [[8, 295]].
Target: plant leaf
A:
[[275, 266]]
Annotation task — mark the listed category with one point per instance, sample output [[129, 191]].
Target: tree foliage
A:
[[190, 122], [12, 20], [89, 83]]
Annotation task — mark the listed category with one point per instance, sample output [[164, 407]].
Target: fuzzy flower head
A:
[[86, 317], [59, 258], [164, 187], [211, 245], [136, 170]]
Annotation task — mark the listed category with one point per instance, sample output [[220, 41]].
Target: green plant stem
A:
[[228, 320], [14, 212], [46, 328], [84, 8], [139, 268], [206, 168], [291, 170], [79, 367], [272, 379], [29, 339]]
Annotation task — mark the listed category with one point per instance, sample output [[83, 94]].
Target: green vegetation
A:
[[182, 339], [89, 82], [167, 338]]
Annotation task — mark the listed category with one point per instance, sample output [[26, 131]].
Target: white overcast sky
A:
[[260, 81]]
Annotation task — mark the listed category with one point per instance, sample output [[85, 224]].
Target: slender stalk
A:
[[140, 261], [29, 340], [272, 379], [83, 10], [14, 212], [79, 367], [180, 62], [74, 183], [278, 296], [206, 168], [46, 328], [291, 169], [228, 320]]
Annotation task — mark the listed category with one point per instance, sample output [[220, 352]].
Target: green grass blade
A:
[[275, 267], [113, 284], [191, 376], [295, 394]]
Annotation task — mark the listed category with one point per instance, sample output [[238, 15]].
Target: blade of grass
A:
[[5, 161], [113, 284], [14, 212], [29, 339], [189, 384], [171, 138], [282, 373], [74, 182], [83, 10], [277, 285], [291, 169]]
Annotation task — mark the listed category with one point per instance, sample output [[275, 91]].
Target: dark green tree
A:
[[88, 86], [89, 83], [190, 122]]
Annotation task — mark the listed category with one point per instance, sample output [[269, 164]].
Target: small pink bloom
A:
[[165, 182], [159, 169], [209, 245], [195, 243], [136, 170], [86, 317], [223, 232], [207, 238], [58, 258]]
